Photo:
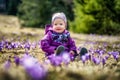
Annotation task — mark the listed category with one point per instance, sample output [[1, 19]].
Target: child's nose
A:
[[58, 25]]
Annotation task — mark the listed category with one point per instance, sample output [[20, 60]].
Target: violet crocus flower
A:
[[33, 67], [15, 45], [55, 60], [27, 46], [79, 48], [66, 58], [47, 61], [83, 58], [8, 46], [103, 61], [88, 56], [37, 72], [96, 60], [109, 53], [19, 45], [101, 52], [7, 64], [16, 60], [91, 50], [106, 57], [26, 54], [105, 44], [12, 45], [1, 46], [33, 45], [115, 55], [72, 58]]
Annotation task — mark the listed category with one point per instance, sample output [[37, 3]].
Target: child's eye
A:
[[55, 24], [61, 24]]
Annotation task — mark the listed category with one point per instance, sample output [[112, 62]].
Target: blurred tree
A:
[[39, 12], [9, 6], [12, 6], [96, 16], [2, 6]]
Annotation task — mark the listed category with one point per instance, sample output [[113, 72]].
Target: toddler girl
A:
[[57, 39]]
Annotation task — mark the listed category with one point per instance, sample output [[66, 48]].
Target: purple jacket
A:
[[52, 40]]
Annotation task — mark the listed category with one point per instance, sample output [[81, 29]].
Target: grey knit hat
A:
[[59, 15]]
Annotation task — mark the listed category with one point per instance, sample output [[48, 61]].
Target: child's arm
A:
[[72, 46], [45, 45]]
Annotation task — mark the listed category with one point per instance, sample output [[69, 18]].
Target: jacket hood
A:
[[48, 27]]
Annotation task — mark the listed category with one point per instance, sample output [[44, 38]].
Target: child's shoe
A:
[[83, 51], [60, 49]]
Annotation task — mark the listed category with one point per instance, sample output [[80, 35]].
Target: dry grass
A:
[[76, 70]]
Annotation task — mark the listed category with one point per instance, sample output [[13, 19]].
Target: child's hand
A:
[[72, 52]]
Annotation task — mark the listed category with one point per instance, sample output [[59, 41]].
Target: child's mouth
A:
[[58, 29]]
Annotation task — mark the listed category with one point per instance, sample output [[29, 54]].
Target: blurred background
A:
[[84, 16]]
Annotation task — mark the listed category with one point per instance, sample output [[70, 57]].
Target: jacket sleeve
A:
[[45, 45], [72, 45]]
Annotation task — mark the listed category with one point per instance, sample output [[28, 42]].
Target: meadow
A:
[[21, 57]]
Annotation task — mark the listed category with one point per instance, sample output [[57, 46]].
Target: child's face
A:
[[58, 25]]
